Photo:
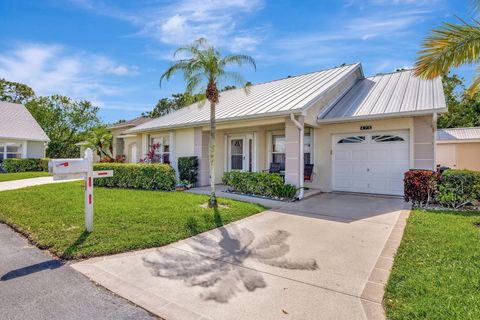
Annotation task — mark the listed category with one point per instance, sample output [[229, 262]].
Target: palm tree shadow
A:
[[217, 265]]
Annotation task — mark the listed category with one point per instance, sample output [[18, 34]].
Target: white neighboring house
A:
[[20, 134]]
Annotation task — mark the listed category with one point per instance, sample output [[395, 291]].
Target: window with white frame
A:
[[278, 150], [307, 146], [10, 151], [162, 148]]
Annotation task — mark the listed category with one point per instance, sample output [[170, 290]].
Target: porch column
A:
[[293, 158], [201, 152]]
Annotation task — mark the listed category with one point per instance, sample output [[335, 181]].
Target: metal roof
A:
[[292, 94], [130, 123], [16, 122], [458, 134], [391, 94]]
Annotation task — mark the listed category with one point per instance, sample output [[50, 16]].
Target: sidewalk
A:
[[35, 286], [18, 184]]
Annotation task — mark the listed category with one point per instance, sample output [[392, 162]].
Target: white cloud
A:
[[54, 69]]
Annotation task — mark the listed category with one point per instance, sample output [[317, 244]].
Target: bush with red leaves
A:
[[420, 186]]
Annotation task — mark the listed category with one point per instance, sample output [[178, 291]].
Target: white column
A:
[[24, 149], [89, 191], [172, 155]]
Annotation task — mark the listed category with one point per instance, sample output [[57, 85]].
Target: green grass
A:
[[22, 175], [52, 216], [436, 272]]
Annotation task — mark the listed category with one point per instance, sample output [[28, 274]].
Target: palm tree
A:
[[205, 65], [101, 141], [451, 45]]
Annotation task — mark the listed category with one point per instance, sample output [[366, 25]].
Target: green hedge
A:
[[458, 188], [25, 165], [188, 169], [137, 176], [259, 183]]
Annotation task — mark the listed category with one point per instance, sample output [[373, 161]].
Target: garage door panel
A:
[[375, 165]]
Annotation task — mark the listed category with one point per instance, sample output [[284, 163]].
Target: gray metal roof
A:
[[265, 99], [388, 94], [456, 134], [16, 122], [130, 123]]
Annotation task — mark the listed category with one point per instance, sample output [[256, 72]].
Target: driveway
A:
[[35, 286], [325, 257]]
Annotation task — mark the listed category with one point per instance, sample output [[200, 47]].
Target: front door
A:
[[237, 153]]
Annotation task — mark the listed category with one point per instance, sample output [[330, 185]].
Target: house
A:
[[123, 144], [459, 148], [361, 134], [20, 134]]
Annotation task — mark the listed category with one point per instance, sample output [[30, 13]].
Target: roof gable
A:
[[458, 134], [16, 122]]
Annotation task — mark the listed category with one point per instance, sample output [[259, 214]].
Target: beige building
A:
[[459, 148], [360, 134]]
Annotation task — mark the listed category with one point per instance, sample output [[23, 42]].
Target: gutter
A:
[[301, 160]]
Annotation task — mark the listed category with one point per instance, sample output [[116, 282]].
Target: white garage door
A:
[[371, 162]]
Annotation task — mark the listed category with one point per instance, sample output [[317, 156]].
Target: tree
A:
[[15, 92], [65, 121], [101, 141], [463, 109], [451, 45], [179, 100], [206, 66]]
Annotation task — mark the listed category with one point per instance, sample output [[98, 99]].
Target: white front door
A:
[[240, 153], [371, 162], [133, 153]]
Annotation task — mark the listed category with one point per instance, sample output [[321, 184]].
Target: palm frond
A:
[[474, 88], [180, 66], [239, 59], [450, 46], [193, 82]]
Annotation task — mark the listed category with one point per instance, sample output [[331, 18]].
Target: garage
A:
[[372, 162]]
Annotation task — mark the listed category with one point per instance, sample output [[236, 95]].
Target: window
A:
[[387, 138], [162, 152], [236, 154], [278, 150], [307, 146], [355, 139], [10, 151]]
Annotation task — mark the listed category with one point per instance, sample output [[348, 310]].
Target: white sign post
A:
[[63, 169]]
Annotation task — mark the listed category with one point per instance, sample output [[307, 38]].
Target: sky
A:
[[113, 52]]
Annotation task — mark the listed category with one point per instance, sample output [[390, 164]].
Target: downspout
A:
[[434, 124], [301, 167]]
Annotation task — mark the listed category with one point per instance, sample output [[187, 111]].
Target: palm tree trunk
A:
[[212, 202]]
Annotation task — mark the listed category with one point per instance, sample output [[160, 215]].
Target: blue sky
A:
[[113, 52]]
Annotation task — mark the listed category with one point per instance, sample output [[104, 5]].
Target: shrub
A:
[[137, 176], [24, 165], [458, 188], [188, 169], [257, 183], [286, 191], [420, 186]]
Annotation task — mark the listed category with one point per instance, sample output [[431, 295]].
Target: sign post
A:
[[63, 169]]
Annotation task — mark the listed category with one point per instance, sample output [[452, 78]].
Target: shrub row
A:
[[452, 188], [188, 169], [24, 165], [137, 176], [259, 183]]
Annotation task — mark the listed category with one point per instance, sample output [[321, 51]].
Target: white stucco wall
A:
[[35, 149]]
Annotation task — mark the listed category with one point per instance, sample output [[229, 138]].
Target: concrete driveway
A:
[[325, 257]]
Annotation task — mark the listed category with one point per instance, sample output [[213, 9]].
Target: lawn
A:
[[436, 272], [52, 216], [22, 175]]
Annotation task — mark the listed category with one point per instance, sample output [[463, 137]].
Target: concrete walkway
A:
[[326, 257], [35, 286], [18, 184]]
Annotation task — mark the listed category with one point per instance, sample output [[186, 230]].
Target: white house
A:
[[20, 134], [359, 133]]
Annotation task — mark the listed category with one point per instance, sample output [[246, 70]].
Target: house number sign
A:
[[369, 127]]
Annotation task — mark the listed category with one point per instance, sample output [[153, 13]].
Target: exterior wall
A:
[[292, 152], [462, 155], [322, 171], [35, 149], [423, 143], [128, 143]]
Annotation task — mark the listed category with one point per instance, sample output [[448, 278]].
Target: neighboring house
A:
[[123, 144], [459, 148], [361, 134], [20, 134]]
